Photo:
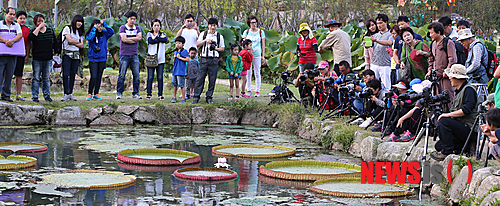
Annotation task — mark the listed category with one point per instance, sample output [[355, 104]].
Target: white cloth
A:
[[152, 49], [383, 73], [191, 36], [75, 36], [206, 47], [256, 64]]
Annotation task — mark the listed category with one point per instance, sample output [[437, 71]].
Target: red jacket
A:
[[247, 59]]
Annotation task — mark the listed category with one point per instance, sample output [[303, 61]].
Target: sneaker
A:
[[183, 101], [89, 97], [96, 97], [65, 98], [180, 96], [19, 98], [245, 95], [377, 128], [148, 97], [257, 94], [438, 156], [230, 99], [367, 122], [174, 100], [236, 99], [35, 99], [358, 121], [407, 136], [8, 99], [209, 101], [118, 96], [161, 98], [72, 98], [136, 96], [187, 97], [394, 138], [47, 99]]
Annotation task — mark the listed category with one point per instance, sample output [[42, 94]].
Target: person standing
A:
[[448, 29], [477, 58], [307, 46], [72, 43], [181, 56], [190, 32], [97, 36], [130, 35], [258, 38], [211, 43], [156, 45], [45, 46], [8, 62], [340, 42], [381, 61], [371, 29], [18, 72], [414, 55], [247, 57], [403, 21]]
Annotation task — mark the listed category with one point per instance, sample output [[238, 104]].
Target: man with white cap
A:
[[477, 59], [454, 127]]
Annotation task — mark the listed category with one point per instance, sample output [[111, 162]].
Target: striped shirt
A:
[[14, 28], [43, 44]]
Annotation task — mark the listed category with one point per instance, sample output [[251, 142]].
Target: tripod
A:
[[386, 102], [392, 118], [348, 106], [480, 120], [327, 100], [283, 94]]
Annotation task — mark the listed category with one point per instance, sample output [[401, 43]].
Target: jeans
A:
[[358, 105], [256, 64], [41, 70], [96, 70], [452, 135], [69, 69], [159, 79], [125, 61], [383, 73], [208, 66], [7, 66]]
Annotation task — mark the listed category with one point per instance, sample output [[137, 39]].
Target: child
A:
[[492, 129], [247, 56], [179, 68], [192, 71], [234, 66]]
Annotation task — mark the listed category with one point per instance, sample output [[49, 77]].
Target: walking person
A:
[[44, 47], [371, 29], [156, 46], [130, 35], [18, 72], [72, 43], [211, 43], [340, 42], [10, 33], [258, 38], [97, 36], [307, 46]]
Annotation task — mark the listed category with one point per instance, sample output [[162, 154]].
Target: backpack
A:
[[459, 49], [492, 63], [59, 39], [204, 37]]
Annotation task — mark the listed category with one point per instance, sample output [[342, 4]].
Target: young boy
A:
[[179, 68], [192, 71], [492, 129]]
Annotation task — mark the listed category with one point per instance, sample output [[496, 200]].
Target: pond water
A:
[[70, 148]]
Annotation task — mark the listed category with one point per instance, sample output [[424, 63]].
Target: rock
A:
[[175, 114], [127, 109], [486, 185], [93, 113], [50, 116], [12, 114], [198, 115], [108, 109], [70, 116], [456, 191], [27, 75], [444, 164], [369, 148], [492, 199], [436, 191], [259, 116], [142, 115], [396, 152], [115, 119], [113, 80], [225, 116], [477, 177], [310, 130], [355, 148]]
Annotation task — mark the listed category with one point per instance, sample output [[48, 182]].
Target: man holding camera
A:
[[376, 95], [305, 85], [345, 70], [454, 127]]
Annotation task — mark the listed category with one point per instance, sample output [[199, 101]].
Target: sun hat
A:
[[489, 100], [413, 82], [323, 64], [464, 34], [456, 71], [333, 22], [305, 27], [401, 85]]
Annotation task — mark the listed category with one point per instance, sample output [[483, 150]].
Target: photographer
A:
[[409, 115], [305, 85], [345, 70], [376, 96], [454, 127], [492, 130], [324, 68]]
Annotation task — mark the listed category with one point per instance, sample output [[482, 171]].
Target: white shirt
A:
[[14, 28], [152, 49], [76, 37], [206, 47], [191, 36]]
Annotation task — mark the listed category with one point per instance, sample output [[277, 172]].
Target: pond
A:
[[96, 147]]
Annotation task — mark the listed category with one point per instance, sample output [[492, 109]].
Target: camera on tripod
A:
[[366, 93], [309, 74], [426, 95], [285, 75], [329, 81]]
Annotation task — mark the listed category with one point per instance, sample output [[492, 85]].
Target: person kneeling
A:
[[376, 104], [454, 127], [492, 130], [305, 86]]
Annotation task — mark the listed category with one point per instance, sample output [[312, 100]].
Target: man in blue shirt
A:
[[345, 70]]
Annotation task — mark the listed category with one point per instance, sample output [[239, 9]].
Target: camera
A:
[[329, 81], [97, 49], [349, 86], [444, 97], [309, 74], [366, 93], [213, 45], [389, 94], [285, 75]]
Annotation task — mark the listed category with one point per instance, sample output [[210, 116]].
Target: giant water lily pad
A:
[[309, 170], [20, 147], [113, 147], [16, 162], [89, 179], [148, 168], [158, 157], [253, 151], [352, 187], [207, 174]]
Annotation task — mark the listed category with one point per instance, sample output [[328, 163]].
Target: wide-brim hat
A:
[[464, 34], [333, 22], [456, 71]]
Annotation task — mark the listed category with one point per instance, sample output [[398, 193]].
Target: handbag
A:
[[405, 72], [152, 60]]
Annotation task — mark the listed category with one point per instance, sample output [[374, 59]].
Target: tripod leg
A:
[[415, 143], [487, 155], [324, 105], [470, 135], [478, 140], [424, 157], [481, 148]]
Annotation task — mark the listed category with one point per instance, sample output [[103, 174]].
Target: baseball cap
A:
[[490, 99], [323, 64]]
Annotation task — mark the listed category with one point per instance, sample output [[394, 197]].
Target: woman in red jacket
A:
[[307, 46]]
